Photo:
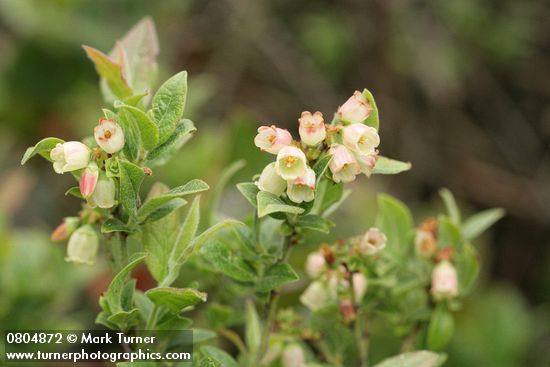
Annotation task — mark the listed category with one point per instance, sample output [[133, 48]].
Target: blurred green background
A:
[[463, 89]]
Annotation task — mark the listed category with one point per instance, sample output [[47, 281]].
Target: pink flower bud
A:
[[356, 109], [315, 264], [70, 156], [270, 181], [347, 310], [88, 180], [344, 166], [109, 136], [312, 128], [291, 163], [83, 245], [367, 162], [302, 188], [293, 356], [65, 229], [359, 283], [360, 138], [104, 193], [444, 281], [372, 242], [271, 139]]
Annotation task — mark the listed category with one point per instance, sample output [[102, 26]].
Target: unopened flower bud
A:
[[356, 109], [104, 193], [270, 180], [372, 242], [109, 136], [359, 284], [88, 180], [83, 245], [293, 356], [302, 188], [425, 243], [316, 296], [344, 166], [347, 311], [271, 139], [315, 264], [65, 229], [291, 163], [360, 138], [312, 128], [70, 156], [444, 281]]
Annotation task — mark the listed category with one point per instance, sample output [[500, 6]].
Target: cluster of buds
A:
[[333, 281], [96, 187], [444, 276], [350, 142], [425, 241]]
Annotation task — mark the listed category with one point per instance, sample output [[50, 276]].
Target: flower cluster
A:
[[95, 185], [351, 144], [335, 278]]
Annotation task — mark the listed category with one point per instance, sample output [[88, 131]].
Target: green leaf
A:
[[387, 166], [395, 220], [440, 329], [467, 267], [200, 335], [159, 238], [321, 166], [110, 71], [480, 222], [186, 232], [153, 204], [269, 204], [275, 276], [224, 260], [421, 358], [253, 330], [373, 119], [168, 104], [219, 356], [163, 210], [115, 225], [223, 180], [43, 148], [131, 177], [112, 298], [141, 47], [166, 150], [205, 236], [314, 223], [450, 204], [176, 299], [148, 130], [448, 233], [250, 191], [74, 191]]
